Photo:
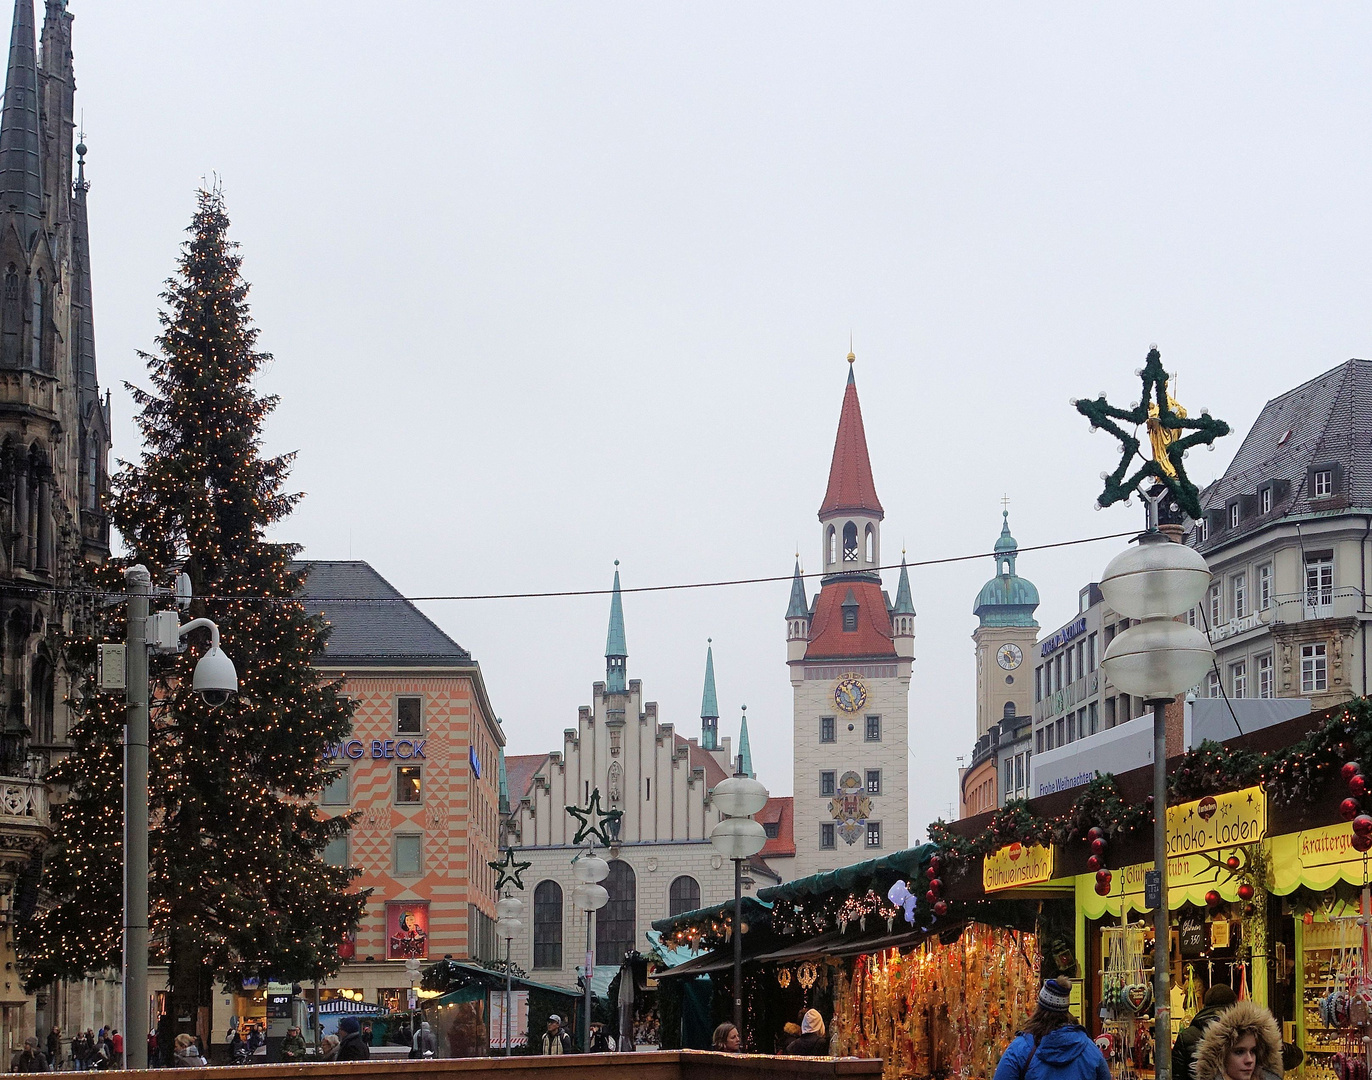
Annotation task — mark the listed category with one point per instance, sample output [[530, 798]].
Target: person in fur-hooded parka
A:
[[1227, 1033]]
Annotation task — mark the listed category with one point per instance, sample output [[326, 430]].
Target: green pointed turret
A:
[[504, 782], [709, 704], [616, 650], [904, 604], [745, 751], [799, 607]]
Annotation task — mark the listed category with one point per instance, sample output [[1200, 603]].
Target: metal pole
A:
[[738, 946], [507, 997], [1162, 934], [316, 1019], [139, 584], [589, 967]]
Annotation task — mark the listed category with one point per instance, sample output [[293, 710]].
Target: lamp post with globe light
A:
[[509, 922], [1154, 582], [590, 896], [737, 836]]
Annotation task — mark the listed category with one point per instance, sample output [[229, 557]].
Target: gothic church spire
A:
[[21, 174], [745, 750], [616, 650], [709, 704]]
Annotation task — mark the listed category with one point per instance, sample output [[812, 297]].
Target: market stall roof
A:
[[719, 960], [475, 973], [905, 863], [755, 913]]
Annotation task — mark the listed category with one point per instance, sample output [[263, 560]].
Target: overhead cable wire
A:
[[554, 594]]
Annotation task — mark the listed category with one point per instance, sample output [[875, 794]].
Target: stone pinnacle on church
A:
[[21, 161], [616, 650], [745, 751]]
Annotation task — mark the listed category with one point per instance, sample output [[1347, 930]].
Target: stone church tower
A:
[[850, 654], [1005, 636]]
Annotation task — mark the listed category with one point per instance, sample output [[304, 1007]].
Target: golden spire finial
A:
[[851, 357]]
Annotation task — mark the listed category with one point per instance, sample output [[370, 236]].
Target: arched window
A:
[[41, 703], [1009, 712], [548, 925], [684, 895], [850, 547], [833, 546], [871, 544], [614, 923], [37, 354], [11, 318]]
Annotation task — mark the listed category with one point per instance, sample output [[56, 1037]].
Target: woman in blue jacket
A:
[[1053, 1046]]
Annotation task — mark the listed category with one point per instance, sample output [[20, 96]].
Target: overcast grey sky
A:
[[554, 284]]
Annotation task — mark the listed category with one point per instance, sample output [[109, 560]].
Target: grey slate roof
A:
[[1329, 420], [372, 623]]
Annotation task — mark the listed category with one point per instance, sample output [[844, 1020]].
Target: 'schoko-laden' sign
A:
[[1217, 821], [1016, 864]]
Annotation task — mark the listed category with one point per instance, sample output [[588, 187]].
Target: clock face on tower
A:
[[850, 694], [1009, 656]]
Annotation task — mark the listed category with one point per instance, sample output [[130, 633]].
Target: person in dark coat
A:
[[352, 1047], [812, 1042], [31, 1059], [1053, 1046], [1218, 998], [1243, 1043]]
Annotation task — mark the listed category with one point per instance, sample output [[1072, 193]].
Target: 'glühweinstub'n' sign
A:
[[1016, 864]]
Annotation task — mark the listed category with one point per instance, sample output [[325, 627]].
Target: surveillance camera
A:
[[215, 679]]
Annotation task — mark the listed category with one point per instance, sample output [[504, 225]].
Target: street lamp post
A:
[[215, 681], [508, 924], [737, 836], [1157, 659], [590, 896]]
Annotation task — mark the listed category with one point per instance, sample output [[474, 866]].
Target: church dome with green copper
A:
[[1007, 599]]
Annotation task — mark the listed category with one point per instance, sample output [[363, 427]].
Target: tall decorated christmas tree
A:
[[238, 885]]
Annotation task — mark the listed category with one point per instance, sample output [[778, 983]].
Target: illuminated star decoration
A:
[[1169, 420], [594, 820], [509, 871]]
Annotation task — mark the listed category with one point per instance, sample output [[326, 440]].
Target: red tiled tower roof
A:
[[851, 488], [873, 635], [779, 811]]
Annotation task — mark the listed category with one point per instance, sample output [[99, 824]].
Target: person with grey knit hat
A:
[[1053, 1046]]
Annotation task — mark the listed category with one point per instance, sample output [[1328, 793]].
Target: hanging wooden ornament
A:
[[807, 975], [783, 977]]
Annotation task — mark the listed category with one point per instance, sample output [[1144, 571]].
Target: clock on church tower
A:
[[1005, 635]]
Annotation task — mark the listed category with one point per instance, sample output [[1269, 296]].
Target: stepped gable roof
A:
[[714, 772], [851, 488], [373, 625], [872, 638], [1325, 420], [520, 770], [780, 810]]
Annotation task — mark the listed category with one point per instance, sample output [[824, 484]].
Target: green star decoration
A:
[[1171, 422], [594, 820], [509, 871]]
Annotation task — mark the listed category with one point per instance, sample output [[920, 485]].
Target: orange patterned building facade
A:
[[421, 770]]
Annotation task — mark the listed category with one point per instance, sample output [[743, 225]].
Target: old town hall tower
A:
[[850, 653]]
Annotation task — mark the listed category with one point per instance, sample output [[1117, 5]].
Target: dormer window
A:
[[1265, 501], [1234, 516], [1322, 483], [850, 613], [1200, 531]]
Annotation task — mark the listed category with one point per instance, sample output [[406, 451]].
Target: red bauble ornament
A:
[[1148, 802], [1094, 833], [941, 908], [936, 886], [1102, 889], [931, 896], [1093, 863], [1362, 842], [1245, 891], [1249, 909], [1348, 809], [1362, 825], [1213, 899], [935, 862], [1232, 862], [1103, 876], [931, 873], [1350, 769], [1357, 784], [1098, 846]]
